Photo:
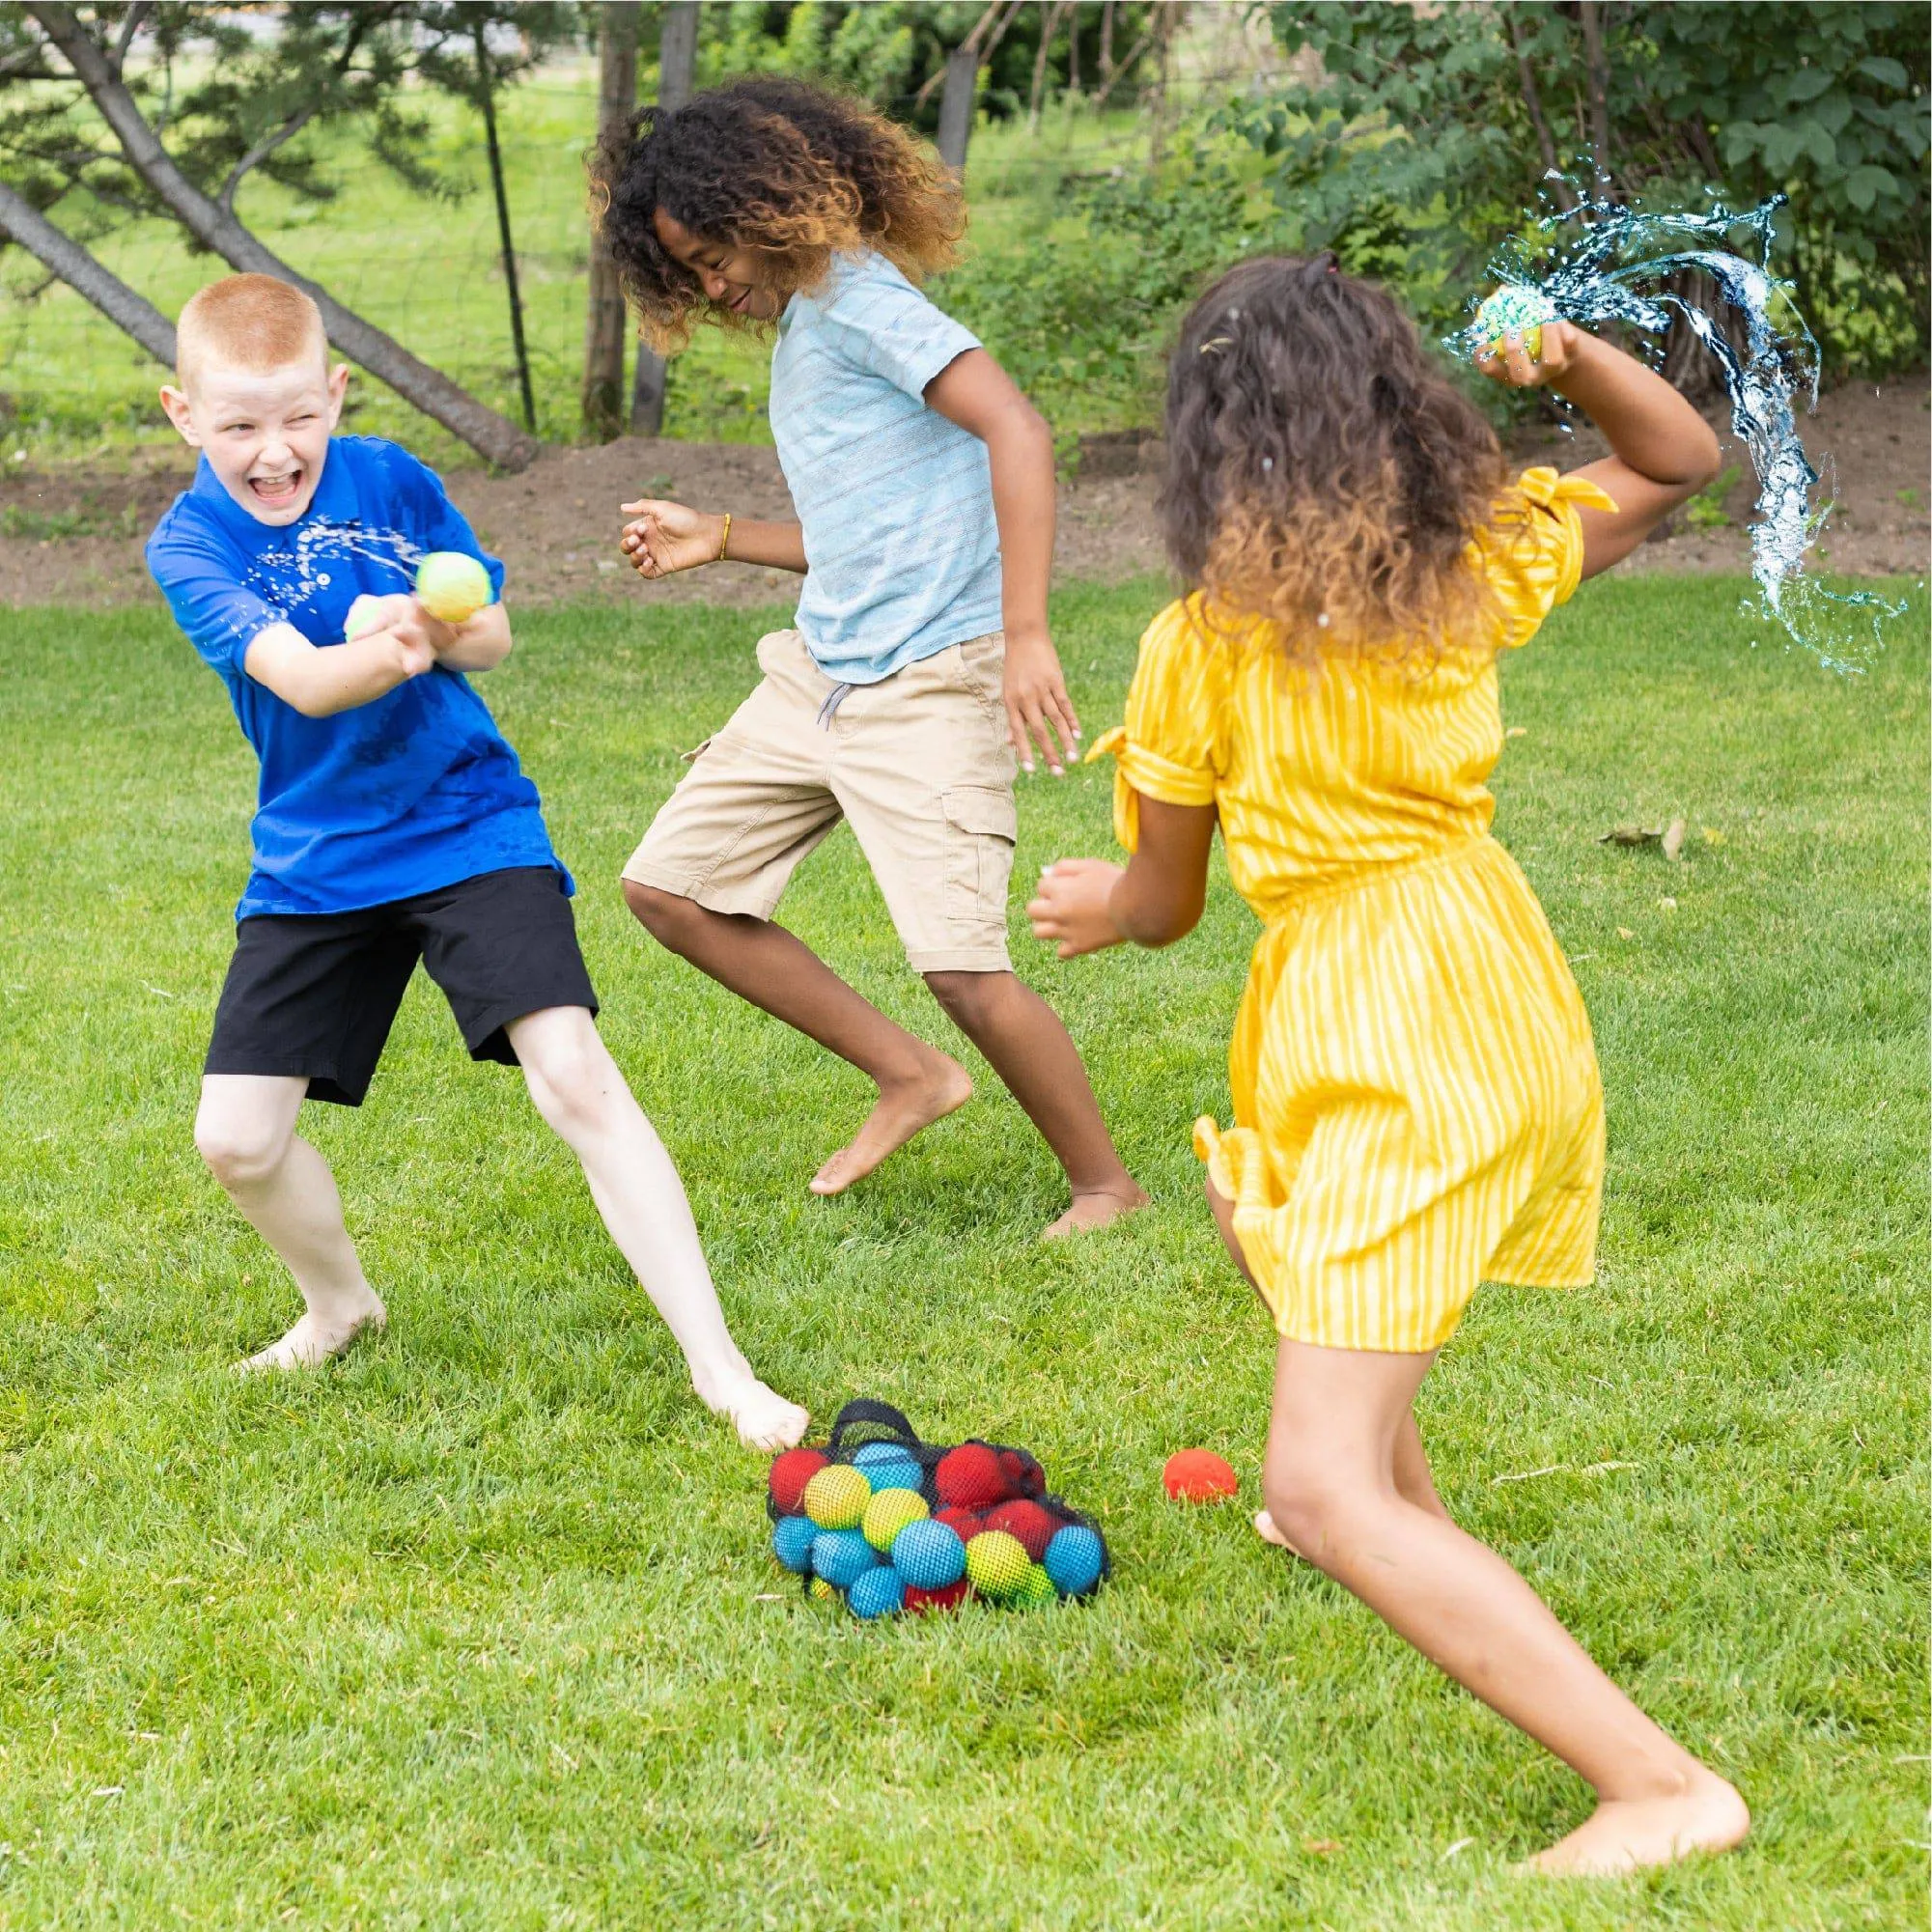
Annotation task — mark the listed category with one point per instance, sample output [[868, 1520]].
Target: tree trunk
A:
[[493, 437], [604, 330], [486, 99], [1049, 27], [1167, 16], [1596, 60], [677, 70], [956, 106], [85, 277]]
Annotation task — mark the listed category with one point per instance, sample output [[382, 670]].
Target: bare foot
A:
[[763, 1418], [1095, 1209], [1623, 1834], [315, 1340], [1264, 1527], [900, 1113]]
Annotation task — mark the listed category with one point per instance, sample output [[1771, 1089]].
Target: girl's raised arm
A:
[[1664, 451]]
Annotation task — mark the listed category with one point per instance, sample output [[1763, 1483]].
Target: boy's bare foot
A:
[[763, 1418], [1095, 1209], [1624, 1834], [316, 1339], [900, 1113]]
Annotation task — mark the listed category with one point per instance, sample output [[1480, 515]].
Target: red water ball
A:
[[970, 1477], [790, 1474], [925, 1602], [1199, 1475], [966, 1523], [1024, 1476], [1034, 1527]]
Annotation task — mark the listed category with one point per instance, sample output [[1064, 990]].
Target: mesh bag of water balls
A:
[[888, 1524]]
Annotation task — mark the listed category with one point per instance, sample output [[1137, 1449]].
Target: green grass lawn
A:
[[477, 1629]]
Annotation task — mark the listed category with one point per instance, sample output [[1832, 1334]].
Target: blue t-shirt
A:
[[895, 500], [412, 792]]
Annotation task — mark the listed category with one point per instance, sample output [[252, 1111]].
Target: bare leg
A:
[[1413, 1478], [777, 970], [1029, 1048], [1329, 1482], [579, 1091], [246, 1130]]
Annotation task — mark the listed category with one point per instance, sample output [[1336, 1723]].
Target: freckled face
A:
[[732, 277]]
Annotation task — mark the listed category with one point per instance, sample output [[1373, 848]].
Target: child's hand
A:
[[1073, 909], [667, 537], [1511, 362], [1036, 700], [416, 638], [421, 637]]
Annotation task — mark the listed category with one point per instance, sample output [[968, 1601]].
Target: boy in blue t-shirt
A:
[[394, 824]]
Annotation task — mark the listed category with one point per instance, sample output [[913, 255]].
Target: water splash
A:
[[292, 578], [1602, 260]]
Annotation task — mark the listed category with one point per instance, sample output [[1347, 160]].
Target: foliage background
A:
[[1404, 138]]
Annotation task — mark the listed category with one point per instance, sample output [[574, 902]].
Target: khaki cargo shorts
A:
[[918, 761]]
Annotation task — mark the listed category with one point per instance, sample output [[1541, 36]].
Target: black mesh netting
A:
[[889, 1522]]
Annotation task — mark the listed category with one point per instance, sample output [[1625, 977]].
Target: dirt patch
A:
[[75, 537]]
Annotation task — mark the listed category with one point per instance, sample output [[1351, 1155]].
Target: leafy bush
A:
[[1081, 313], [1433, 129]]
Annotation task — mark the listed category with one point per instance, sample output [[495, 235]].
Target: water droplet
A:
[[1605, 261]]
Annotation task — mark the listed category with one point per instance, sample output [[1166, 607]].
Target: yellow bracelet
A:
[[723, 539]]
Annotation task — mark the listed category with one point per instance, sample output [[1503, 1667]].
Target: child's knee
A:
[[572, 1078], [969, 998], [665, 916], [240, 1150]]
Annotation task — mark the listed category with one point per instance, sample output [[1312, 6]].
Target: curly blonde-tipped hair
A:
[[1323, 475], [793, 171]]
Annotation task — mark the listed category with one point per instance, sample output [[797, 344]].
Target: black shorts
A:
[[315, 994]]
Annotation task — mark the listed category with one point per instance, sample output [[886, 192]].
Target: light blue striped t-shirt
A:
[[895, 500]]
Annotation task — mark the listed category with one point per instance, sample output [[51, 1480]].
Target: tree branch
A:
[[66, 259], [493, 436], [1127, 66], [1597, 64], [130, 25], [260, 151], [971, 40], [1532, 99]]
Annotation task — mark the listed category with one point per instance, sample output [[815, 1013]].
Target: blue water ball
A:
[[894, 1472], [791, 1540], [880, 1592], [841, 1557], [928, 1555], [879, 1452], [1075, 1559]]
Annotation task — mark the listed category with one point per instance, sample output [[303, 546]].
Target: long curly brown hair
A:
[[1322, 473], [793, 171]]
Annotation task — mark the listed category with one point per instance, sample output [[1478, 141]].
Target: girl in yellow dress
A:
[[1415, 1095]]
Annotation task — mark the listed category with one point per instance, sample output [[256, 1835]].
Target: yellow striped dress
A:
[[1416, 1102]]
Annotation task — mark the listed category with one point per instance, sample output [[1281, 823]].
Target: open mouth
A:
[[277, 492], [738, 302]]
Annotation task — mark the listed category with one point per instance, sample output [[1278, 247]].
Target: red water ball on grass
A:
[[1199, 1475], [970, 1477], [924, 1602], [1024, 1476], [1034, 1527], [790, 1474]]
